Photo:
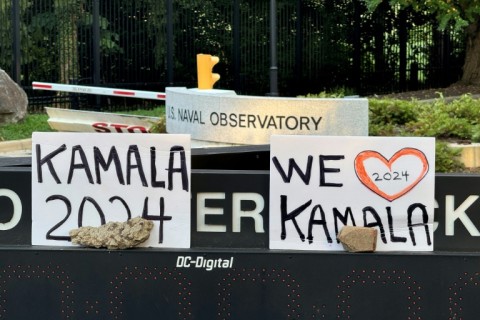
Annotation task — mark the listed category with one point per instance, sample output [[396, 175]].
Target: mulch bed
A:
[[451, 91]]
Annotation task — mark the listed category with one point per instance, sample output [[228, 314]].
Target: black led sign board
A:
[[458, 213], [230, 274], [230, 209], [235, 284], [15, 206]]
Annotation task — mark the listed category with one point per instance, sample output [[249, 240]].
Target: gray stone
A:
[[13, 100], [358, 239], [114, 235]]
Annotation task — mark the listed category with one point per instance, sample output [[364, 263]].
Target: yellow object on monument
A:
[[206, 78]]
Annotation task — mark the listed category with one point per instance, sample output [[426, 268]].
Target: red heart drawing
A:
[[366, 179]]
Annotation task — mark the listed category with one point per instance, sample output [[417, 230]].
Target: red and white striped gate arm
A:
[[99, 91]]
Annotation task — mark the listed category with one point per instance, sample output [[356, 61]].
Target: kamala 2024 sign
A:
[[88, 179], [319, 184]]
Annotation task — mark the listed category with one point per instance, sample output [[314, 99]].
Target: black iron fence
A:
[[150, 44]]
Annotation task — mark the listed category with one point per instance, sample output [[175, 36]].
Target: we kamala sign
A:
[[87, 179], [319, 184]]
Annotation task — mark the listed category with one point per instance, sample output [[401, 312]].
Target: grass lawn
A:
[[38, 122], [24, 129]]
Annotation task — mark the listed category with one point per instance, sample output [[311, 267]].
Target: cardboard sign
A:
[[88, 179], [319, 184]]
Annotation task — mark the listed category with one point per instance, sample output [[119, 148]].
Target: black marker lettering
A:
[[133, 149], [291, 216], [153, 170], [95, 204], [323, 169], [162, 217], [393, 238], [378, 222], [100, 162], [343, 218], [410, 211], [322, 222], [83, 165], [56, 226], [48, 161], [182, 169], [291, 166], [129, 213]]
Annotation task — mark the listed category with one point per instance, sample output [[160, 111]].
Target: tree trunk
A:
[[471, 67], [67, 12]]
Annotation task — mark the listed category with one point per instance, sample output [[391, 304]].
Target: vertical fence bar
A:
[[236, 46], [273, 49], [16, 59], [357, 47], [169, 4], [298, 47], [96, 48], [445, 67], [403, 38]]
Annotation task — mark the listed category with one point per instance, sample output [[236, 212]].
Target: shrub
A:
[[339, 92], [392, 111], [458, 119], [447, 159]]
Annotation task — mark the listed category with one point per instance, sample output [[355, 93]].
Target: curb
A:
[[16, 146], [470, 154]]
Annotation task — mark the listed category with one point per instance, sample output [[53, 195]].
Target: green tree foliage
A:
[[322, 44], [459, 12], [462, 14], [49, 37], [6, 32]]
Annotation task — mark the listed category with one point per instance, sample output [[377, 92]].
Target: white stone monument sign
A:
[[222, 116]]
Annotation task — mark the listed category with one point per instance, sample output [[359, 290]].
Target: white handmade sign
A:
[[88, 179], [319, 184]]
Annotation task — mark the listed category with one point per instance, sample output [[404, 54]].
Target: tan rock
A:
[[358, 239], [114, 235]]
